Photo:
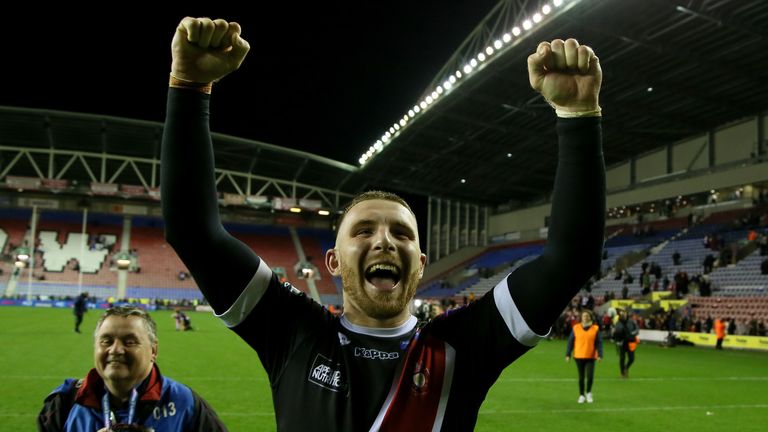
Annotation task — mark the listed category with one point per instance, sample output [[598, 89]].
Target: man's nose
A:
[[383, 240], [117, 347]]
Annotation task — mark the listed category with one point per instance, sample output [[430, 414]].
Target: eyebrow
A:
[[396, 223], [112, 335]]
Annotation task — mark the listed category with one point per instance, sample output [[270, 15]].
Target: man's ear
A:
[[422, 264], [332, 262], [154, 353]]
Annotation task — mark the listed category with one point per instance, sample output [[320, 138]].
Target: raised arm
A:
[[568, 76], [203, 51]]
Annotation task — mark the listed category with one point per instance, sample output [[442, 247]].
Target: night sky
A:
[[325, 77]]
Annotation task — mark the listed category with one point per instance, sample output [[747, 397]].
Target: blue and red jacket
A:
[[164, 405]]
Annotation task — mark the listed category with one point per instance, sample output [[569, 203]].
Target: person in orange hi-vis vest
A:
[[586, 346], [633, 344], [719, 332]]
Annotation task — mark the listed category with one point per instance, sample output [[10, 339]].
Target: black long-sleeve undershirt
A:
[[222, 266], [543, 287]]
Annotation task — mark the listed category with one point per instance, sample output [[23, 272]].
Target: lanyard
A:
[[131, 407]]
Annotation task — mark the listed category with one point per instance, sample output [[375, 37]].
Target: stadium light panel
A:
[[527, 24], [453, 80]]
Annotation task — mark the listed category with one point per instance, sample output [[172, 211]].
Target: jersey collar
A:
[[392, 332]]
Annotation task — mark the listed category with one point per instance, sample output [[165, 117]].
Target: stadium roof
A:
[[673, 69]]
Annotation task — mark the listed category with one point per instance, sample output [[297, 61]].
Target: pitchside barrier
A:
[[707, 339]]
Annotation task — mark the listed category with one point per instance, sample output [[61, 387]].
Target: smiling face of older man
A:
[[125, 349]]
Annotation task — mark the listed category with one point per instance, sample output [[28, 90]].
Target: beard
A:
[[379, 304]]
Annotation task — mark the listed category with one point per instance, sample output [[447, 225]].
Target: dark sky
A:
[[324, 77]]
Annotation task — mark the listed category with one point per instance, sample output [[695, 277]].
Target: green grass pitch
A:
[[679, 389]]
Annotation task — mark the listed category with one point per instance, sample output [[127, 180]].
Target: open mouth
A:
[[384, 277]]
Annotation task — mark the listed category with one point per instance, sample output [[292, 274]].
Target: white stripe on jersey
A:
[[512, 317], [450, 363], [249, 298]]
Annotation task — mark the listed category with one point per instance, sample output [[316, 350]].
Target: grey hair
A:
[[131, 311]]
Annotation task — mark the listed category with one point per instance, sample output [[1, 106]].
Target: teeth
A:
[[386, 267]]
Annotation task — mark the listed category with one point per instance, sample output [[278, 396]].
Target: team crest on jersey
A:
[[343, 339], [326, 374], [420, 379]]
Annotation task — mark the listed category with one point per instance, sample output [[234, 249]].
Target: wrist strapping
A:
[[568, 114], [189, 85]]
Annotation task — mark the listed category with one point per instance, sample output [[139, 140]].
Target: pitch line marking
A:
[[623, 409]]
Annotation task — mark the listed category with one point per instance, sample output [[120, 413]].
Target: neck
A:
[[358, 317], [120, 391]]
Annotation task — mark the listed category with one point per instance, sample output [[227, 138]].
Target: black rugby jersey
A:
[[328, 374]]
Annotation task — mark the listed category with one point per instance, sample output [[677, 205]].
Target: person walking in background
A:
[[585, 346], [624, 333], [80, 308], [125, 390], [719, 332]]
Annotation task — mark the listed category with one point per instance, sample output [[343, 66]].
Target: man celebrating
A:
[[125, 391], [374, 368]]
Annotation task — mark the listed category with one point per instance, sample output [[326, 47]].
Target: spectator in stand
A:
[[676, 258], [587, 302], [708, 263], [763, 244], [645, 282], [608, 321], [705, 286], [764, 267], [585, 345], [697, 325]]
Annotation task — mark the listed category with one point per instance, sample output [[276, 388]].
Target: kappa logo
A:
[[373, 354], [292, 288], [326, 374]]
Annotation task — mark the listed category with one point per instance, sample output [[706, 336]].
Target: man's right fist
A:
[[206, 50]]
